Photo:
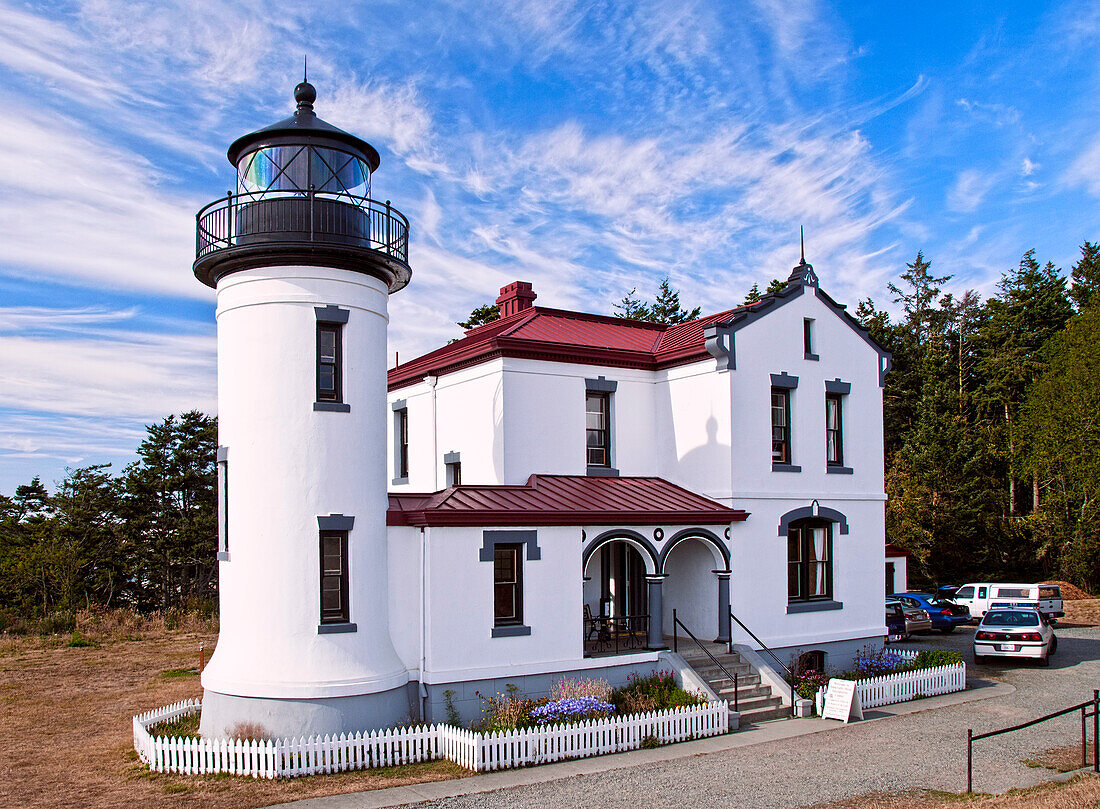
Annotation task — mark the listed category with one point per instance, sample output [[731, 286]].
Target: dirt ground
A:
[[1084, 612], [65, 729], [1082, 792]]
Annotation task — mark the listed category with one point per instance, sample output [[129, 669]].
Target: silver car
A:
[[1015, 633]]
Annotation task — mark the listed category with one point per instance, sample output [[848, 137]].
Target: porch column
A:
[[656, 611], [723, 606]]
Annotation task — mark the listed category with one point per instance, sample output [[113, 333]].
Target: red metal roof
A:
[[894, 550], [563, 500], [561, 336]]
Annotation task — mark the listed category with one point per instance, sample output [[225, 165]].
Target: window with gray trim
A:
[[598, 428], [329, 376], [808, 338], [781, 425], [223, 504], [834, 429], [508, 584], [334, 577], [401, 442], [809, 560]]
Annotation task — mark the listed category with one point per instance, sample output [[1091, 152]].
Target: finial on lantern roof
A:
[[305, 93]]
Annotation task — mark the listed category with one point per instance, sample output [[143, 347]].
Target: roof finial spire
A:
[[305, 93], [802, 242]]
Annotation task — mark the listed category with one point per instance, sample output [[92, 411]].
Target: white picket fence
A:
[[906, 685], [474, 751]]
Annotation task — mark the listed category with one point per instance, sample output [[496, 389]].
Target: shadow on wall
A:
[[708, 467]]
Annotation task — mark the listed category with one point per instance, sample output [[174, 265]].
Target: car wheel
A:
[[1044, 661], [1053, 646], [947, 630]]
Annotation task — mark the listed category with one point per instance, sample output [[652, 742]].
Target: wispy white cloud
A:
[[1084, 171], [969, 190]]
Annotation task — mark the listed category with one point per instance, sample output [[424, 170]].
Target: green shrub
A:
[[78, 641], [506, 711], [657, 692], [936, 657], [650, 742]]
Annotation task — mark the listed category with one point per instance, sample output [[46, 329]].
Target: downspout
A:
[[423, 621], [431, 381]]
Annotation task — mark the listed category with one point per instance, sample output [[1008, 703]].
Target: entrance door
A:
[[623, 585]]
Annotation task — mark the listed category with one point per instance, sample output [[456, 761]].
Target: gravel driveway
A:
[[925, 749]]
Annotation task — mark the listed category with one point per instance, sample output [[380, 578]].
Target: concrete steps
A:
[[755, 700]]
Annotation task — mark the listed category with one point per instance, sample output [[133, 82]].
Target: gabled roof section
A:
[[563, 500], [556, 335]]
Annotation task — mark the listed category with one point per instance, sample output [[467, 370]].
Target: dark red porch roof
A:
[[563, 500], [894, 550]]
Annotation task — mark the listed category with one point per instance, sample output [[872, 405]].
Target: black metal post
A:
[[675, 632], [969, 760], [312, 207], [736, 707], [388, 250], [1084, 741], [228, 218], [1096, 731]]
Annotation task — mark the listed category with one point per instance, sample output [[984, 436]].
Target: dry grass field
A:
[[65, 728]]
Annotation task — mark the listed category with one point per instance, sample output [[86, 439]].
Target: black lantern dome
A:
[[302, 197]]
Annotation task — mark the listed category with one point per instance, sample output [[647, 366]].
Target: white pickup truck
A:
[[981, 597]]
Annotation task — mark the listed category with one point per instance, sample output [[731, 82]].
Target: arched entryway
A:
[[619, 568], [695, 564]]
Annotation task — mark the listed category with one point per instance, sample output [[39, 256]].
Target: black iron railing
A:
[[239, 220], [770, 653], [615, 634], [677, 625], [1083, 707]]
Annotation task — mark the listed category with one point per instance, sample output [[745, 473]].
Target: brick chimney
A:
[[516, 297]]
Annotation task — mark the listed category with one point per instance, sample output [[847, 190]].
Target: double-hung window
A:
[[329, 373], [781, 426], [400, 441], [508, 584], [598, 428], [334, 577], [809, 561], [328, 362], [223, 504], [834, 430]]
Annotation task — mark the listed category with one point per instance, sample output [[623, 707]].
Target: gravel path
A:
[[926, 749]]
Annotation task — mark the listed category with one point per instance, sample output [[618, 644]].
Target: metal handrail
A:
[[1083, 707], [386, 229], [771, 654], [676, 622]]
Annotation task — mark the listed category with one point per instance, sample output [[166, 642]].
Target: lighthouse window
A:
[[334, 577], [328, 363]]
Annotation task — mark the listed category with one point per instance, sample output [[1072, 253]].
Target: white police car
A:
[[1015, 632]]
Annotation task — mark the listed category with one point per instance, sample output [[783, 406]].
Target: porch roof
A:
[[563, 500]]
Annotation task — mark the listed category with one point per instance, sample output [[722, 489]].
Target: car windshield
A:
[[1010, 618]]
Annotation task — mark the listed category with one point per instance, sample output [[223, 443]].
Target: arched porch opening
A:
[[619, 568], [696, 586]]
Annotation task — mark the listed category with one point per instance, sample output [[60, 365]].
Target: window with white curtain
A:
[[809, 560]]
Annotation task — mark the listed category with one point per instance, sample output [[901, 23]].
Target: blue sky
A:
[[585, 147]]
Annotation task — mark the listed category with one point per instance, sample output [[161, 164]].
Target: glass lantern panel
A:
[[336, 172], [274, 168]]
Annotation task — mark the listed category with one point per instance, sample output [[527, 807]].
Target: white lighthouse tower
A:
[[303, 262]]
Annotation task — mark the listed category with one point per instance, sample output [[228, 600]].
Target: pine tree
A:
[[632, 307], [753, 296], [1085, 290], [480, 316], [667, 308]]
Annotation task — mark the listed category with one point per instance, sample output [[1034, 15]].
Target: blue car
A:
[[945, 614]]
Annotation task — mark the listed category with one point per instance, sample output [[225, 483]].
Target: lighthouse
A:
[[303, 261]]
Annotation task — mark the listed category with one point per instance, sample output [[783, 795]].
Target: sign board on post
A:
[[842, 701]]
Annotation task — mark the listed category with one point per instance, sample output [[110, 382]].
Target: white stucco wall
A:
[[289, 464], [692, 589]]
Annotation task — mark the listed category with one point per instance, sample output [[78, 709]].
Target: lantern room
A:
[[303, 196]]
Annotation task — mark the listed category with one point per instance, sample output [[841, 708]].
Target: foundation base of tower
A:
[[278, 718]]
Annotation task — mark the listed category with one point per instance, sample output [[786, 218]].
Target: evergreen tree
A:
[[667, 308], [632, 307], [480, 316], [1085, 275], [753, 296], [776, 285]]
